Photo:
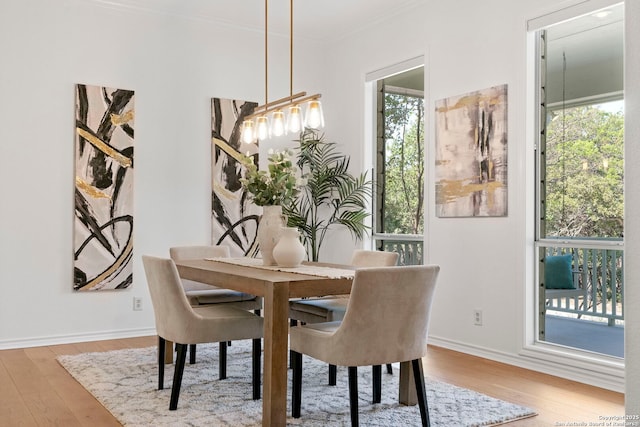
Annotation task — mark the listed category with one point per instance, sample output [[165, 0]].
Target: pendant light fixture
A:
[[270, 119]]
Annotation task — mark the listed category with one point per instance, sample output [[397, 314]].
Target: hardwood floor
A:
[[36, 391]]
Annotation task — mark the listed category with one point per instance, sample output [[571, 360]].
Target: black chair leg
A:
[[255, 365], [421, 392], [377, 383], [353, 395], [292, 322], [222, 360], [181, 358], [161, 355], [296, 386], [389, 369], [192, 354], [333, 374]]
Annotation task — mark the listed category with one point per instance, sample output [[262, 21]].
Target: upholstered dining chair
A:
[[180, 322], [203, 294], [327, 309], [386, 321]]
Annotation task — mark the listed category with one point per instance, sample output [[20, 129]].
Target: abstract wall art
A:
[[103, 228], [471, 154], [234, 216]]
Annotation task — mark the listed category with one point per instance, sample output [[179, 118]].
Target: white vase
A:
[[289, 252], [269, 229]]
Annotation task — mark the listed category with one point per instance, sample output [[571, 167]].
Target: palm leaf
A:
[[332, 196]]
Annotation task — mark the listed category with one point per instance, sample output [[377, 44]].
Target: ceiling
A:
[[588, 54], [320, 20], [587, 41]]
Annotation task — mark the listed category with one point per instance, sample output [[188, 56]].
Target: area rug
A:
[[125, 382]]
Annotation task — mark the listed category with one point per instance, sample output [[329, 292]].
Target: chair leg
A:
[[296, 385], [389, 369], [161, 354], [353, 395], [181, 357], [292, 322], [255, 365], [222, 360], [377, 383], [333, 373], [192, 354], [421, 392]]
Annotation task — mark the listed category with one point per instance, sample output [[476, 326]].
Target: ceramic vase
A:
[[269, 230], [289, 252]]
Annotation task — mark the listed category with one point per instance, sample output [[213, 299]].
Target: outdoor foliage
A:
[[404, 166], [584, 173], [332, 197]]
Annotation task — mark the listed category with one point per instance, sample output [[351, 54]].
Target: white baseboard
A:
[[74, 338], [603, 372]]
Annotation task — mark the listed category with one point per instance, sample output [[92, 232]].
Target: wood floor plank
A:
[[81, 404], [42, 401], [13, 410]]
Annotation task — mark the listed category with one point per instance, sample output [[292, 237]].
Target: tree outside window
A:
[[584, 173]]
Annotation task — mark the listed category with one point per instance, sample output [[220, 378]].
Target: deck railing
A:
[[409, 246], [598, 279], [598, 268]]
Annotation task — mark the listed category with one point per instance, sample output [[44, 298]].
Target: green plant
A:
[[332, 196], [276, 186]]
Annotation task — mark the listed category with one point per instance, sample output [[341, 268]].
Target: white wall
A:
[[175, 65]]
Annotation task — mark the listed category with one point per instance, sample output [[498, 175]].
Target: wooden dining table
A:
[[276, 288]]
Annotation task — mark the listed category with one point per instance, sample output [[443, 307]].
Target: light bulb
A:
[[247, 132], [314, 118], [278, 123], [262, 128], [294, 123]]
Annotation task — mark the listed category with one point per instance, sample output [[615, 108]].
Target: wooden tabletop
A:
[[251, 280]]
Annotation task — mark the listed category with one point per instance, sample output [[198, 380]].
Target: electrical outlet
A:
[[137, 304], [477, 317]]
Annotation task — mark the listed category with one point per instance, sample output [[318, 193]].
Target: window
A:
[[580, 196], [399, 166]]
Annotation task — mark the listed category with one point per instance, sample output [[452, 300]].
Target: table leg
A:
[[407, 388], [168, 352], [276, 338]]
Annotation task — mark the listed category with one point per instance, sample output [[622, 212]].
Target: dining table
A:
[[277, 286]]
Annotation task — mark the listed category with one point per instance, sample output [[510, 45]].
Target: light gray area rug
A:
[[125, 382]]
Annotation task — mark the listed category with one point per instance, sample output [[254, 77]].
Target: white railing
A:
[[409, 246], [598, 279]]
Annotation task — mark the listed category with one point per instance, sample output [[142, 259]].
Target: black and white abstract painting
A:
[[103, 228], [471, 154], [234, 216]]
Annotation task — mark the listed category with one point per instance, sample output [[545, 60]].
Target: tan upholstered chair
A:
[[178, 321], [202, 294], [329, 309], [386, 321]]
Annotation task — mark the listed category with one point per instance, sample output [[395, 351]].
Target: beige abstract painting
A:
[[471, 154]]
